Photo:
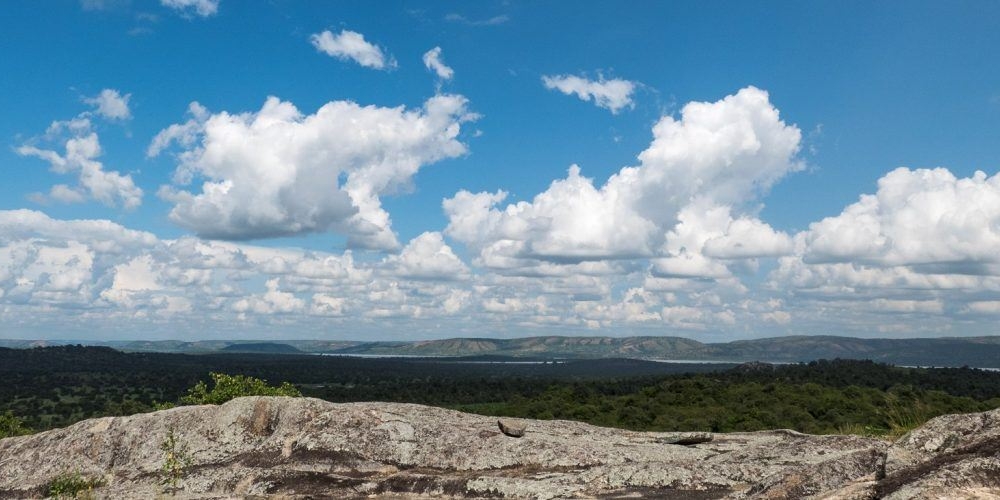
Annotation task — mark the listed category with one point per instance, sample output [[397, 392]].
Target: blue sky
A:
[[744, 169]]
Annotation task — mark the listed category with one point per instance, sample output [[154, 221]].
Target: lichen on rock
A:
[[303, 447]]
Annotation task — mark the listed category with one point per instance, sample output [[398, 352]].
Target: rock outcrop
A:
[[308, 448]]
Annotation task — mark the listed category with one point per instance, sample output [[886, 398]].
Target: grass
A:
[[74, 485]]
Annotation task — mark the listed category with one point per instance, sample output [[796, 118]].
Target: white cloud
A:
[[270, 302], [985, 307], [747, 238], [65, 194], [613, 95], [895, 306], [51, 262], [428, 257], [184, 134], [707, 237], [278, 172], [351, 45], [927, 219], [924, 243], [850, 279], [81, 148], [492, 21], [326, 305], [203, 8], [672, 242], [679, 203], [432, 59], [98, 275], [778, 317], [137, 275], [111, 104], [105, 235]]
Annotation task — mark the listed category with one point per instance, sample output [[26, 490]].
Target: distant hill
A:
[[201, 346], [25, 344], [552, 346], [261, 347], [983, 352], [972, 351]]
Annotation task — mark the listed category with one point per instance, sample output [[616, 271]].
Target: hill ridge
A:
[[982, 351]]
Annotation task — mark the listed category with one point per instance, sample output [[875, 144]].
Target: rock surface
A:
[[510, 428], [949, 454], [308, 448]]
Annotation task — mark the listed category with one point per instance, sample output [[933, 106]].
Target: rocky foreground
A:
[[309, 448]]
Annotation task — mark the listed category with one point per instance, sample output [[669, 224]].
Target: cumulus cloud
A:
[[107, 236], [279, 172], [351, 45], [671, 242], [927, 219], [121, 274], [81, 149], [69, 274], [270, 302], [613, 95], [203, 8], [111, 104], [53, 262], [921, 245], [690, 199], [98, 271], [925, 235], [428, 257], [184, 134], [433, 62]]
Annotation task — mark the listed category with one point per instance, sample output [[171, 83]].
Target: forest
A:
[[52, 387]]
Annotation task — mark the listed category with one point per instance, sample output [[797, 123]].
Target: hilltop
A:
[[287, 447]]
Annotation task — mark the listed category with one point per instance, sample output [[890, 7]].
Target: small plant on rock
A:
[[73, 485], [175, 460]]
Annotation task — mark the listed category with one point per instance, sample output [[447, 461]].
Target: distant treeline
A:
[[55, 386]]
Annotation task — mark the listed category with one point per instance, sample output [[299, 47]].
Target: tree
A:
[[227, 387], [12, 426]]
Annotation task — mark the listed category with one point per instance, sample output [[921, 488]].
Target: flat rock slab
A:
[[303, 447]]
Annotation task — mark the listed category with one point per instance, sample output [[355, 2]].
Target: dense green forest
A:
[[56, 386]]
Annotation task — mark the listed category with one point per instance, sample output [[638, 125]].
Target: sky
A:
[[215, 169]]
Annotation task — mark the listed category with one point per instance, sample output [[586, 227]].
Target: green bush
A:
[[12, 426], [175, 460], [227, 387], [73, 485]]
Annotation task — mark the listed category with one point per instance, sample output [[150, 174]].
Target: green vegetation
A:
[[52, 387], [73, 485], [227, 387], [175, 460], [706, 403], [12, 426], [56, 386]]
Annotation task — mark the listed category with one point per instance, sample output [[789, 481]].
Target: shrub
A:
[[73, 485], [163, 406], [12, 426], [227, 387], [175, 460]]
